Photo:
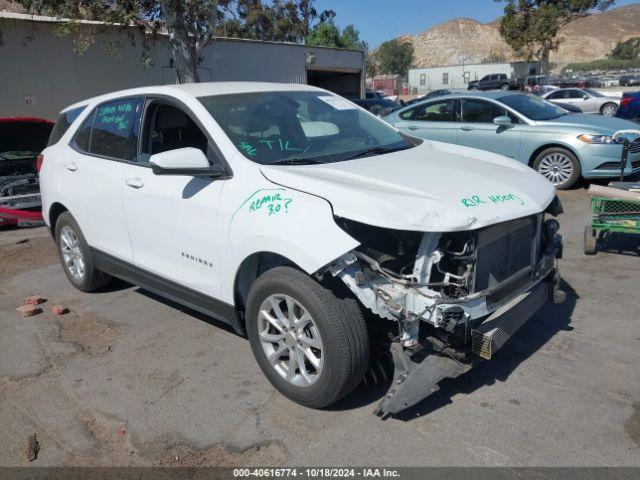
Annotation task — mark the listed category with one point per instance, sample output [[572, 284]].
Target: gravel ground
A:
[[128, 379]]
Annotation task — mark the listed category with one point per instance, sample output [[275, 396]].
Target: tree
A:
[[627, 50], [327, 34], [531, 27], [189, 23], [394, 57]]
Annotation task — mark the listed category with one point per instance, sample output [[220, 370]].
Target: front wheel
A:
[[559, 166], [609, 109], [504, 87], [312, 345]]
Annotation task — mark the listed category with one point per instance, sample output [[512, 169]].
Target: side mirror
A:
[[585, 97], [502, 120], [186, 161]]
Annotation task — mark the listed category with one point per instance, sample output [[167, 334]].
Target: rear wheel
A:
[[312, 346], [75, 256], [609, 109], [590, 241], [504, 87], [559, 166]]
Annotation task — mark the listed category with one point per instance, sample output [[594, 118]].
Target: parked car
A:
[[495, 81], [304, 222], [629, 80], [588, 100], [629, 106], [536, 132], [376, 104], [432, 94], [21, 140]]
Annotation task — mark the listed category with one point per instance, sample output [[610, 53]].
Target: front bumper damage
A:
[[449, 319]]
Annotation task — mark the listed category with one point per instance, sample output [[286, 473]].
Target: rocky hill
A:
[[469, 41]]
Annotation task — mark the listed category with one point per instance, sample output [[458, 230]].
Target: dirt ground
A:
[[126, 378]]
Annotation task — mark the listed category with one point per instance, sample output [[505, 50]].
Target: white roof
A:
[[203, 89]]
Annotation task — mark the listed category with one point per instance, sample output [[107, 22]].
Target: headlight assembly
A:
[[597, 139]]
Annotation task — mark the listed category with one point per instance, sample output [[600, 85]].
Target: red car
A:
[[21, 141]]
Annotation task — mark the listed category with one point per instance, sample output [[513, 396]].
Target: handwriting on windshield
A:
[[279, 144], [477, 200]]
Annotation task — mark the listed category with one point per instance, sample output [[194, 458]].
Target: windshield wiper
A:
[[372, 151], [296, 161]]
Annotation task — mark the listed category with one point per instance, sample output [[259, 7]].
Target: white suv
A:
[[306, 222]]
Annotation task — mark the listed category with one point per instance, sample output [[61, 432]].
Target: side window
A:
[[112, 130], [115, 129], [62, 124], [445, 78], [407, 114], [574, 94], [556, 95], [168, 128], [479, 111], [436, 112]]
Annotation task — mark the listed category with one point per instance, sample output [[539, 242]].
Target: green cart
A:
[[614, 215], [610, 216]]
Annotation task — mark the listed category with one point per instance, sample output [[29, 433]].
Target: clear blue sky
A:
[[381, 20]]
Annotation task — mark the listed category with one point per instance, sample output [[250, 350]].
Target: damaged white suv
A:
[[306, 222]]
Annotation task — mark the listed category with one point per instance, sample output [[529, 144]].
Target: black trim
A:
[[200, 302]]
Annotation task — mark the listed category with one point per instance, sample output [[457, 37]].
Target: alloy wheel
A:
[[72, 252], [609, 110], [290, 340], [556, 167]]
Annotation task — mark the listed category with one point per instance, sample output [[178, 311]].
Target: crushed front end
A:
[[455, 297]]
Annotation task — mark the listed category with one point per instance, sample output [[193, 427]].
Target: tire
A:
[[609, 109], [590, 241], [337, 326], [473, 89], [504, 87], [73, 250], [559, 166]]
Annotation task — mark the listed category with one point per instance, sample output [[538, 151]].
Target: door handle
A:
[[412, 127], [134, 182], [71, 166], [466, 129]]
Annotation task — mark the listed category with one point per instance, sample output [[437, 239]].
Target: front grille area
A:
[[634, 147], [504, 251]]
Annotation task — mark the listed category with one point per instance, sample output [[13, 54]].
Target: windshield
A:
[[533, 107], [301, 127], [593, 93]]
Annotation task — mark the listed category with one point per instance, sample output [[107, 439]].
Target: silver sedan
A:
[[586, 99]]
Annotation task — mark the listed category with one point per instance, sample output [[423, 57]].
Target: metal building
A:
[[41, 73], [457, 77]]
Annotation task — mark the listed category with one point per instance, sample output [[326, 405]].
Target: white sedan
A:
[[586, 99]]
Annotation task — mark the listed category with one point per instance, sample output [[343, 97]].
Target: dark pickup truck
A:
[[495, 81]]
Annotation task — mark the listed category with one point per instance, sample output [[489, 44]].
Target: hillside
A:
[[469, 41]]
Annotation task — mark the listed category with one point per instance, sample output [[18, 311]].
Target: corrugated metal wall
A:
[[41, 74]]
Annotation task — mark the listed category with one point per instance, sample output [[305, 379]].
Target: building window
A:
[[423, 79], [466, 77], [445, 79]]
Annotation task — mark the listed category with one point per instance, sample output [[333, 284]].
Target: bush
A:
[[603, 64]]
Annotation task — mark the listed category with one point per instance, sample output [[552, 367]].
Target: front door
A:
[[431, 121], [476, 128], [172, 219]]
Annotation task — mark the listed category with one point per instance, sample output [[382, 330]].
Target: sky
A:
[[381, 20]]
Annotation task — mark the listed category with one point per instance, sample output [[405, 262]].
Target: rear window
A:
[[62, 124], [112, 130]]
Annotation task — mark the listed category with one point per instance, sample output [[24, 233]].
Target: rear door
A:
[[92, 173], [432, 121], [476, 128]]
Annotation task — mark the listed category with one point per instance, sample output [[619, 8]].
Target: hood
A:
[[592, 123], [432, 187]]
